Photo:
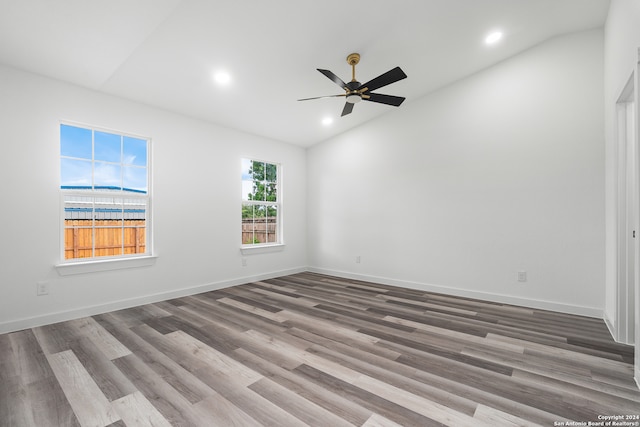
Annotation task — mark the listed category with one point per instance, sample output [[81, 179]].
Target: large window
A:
[[105, 193], [261, 203]]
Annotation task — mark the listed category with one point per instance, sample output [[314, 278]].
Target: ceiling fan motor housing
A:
[[353, 97], [353, 85]]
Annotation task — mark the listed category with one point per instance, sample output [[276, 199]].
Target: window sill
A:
[[262, 249], [94, 266]]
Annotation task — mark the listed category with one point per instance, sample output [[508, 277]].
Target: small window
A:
[[105, 193], [261, 203]]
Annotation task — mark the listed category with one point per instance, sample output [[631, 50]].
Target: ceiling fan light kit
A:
[[354, 98], [356, 92]]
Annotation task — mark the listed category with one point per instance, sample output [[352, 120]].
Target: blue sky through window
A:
[[75, 142], [108, 147], [135, 151], [101, 159]]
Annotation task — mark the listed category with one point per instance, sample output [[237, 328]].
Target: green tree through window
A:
[[260, 202]]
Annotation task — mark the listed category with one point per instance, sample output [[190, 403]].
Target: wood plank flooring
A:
[[315, 350]]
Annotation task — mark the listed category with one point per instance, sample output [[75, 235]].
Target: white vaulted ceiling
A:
[[164, 52]]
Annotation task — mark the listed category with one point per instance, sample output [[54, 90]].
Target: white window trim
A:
[[271, 246], [262, 248], [73, 266], [106, 264]]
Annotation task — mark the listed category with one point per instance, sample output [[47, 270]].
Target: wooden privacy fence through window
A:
[[111, 238], [259, 230]]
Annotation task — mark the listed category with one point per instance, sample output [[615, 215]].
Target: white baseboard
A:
[[504, 299], [49, 318], [61, 316], [611, 325]]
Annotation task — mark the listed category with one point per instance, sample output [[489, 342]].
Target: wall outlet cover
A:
[[42, 288]]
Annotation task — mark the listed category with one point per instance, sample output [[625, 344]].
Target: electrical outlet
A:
[[358, 259], [522, 276], [42, 288], [244, 262]]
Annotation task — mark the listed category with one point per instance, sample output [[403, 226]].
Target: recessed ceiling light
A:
[[493, 37], [222, 78], [327, 121]]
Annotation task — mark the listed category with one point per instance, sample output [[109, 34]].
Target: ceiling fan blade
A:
[[387, 78], [320, 97], [348, 108], [384, 99], [333, 78]]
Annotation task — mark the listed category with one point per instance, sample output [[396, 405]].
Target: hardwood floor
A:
[[309, 349]]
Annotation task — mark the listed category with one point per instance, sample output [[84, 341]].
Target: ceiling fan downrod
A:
[[353, 60]]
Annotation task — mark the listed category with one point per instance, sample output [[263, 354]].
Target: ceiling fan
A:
[[356, 92]]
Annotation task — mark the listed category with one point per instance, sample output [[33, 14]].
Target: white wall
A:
[[622, 41], [461, 189], [456, 191], [196, 204]]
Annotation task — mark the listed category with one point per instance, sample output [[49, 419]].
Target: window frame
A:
[[107, 262], [278, 204]]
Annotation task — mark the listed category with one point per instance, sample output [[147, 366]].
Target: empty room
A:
[[339, 213]]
